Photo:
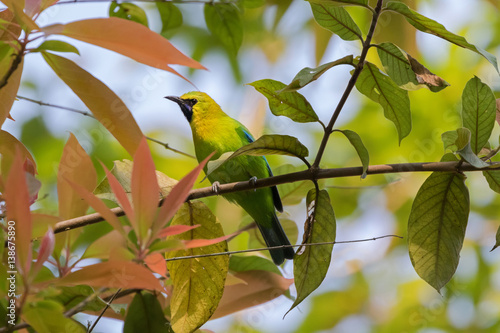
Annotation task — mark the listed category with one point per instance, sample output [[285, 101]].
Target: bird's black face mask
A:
[[186, 105]]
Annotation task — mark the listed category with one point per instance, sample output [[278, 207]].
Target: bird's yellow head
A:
[[196, 104]]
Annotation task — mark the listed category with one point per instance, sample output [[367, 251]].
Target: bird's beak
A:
[[186, 107]]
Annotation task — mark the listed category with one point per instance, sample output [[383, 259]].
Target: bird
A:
[[214, 131]]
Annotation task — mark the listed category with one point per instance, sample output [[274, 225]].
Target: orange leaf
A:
[[189, 244], [17, 7], [17, 203], [105, 105], [12, 29], [156, 263], [175, 230], [145, 189], [8, 147], [99, 206], [128, 38], [113, 274], [259, 287], [9, 91], [77, 167], [120, 195], [177, 197]]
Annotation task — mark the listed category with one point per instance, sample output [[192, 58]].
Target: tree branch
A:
[[350, 85], [290, 178], [15, 64]]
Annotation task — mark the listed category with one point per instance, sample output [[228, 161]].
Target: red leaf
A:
[[45, 250], [156, 262], [175, 230], [113, 274], [77, 167], [145, 190], [128, 38], [105, 105], [99, 206], [8, 147], [177, 197], [17, 204]]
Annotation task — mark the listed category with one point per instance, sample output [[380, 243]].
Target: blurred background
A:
[[371, 286]]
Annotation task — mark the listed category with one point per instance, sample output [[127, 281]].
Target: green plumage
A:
[[213, 130]]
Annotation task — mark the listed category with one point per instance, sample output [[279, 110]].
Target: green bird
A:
[[213, 130]]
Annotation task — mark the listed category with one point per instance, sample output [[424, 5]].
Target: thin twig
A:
[[279, 247], [108, 304], [350, 85], [80, 306], [89, 114], [290, 178]]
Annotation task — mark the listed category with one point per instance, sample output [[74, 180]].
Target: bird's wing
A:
[[276, 196]]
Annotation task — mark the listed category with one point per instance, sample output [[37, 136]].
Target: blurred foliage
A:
[[379, 292]]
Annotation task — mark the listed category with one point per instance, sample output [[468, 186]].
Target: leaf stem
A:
[[350, 85]]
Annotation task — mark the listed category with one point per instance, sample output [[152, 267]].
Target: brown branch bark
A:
[[290, 178]]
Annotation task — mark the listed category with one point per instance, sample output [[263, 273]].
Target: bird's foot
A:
[[216, 188], [253, 182]]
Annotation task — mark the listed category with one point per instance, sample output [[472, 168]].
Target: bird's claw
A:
[[216, 188], [253, 182]]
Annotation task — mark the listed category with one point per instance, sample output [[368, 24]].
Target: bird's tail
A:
[[275, 236]]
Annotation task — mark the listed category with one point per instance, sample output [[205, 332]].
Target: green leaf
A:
[[310, 267], [197, 283], [171, 16], [336, 19], [308, 75], [449, 140], [128, 11], [357, 143], [223, 20], [407, 72], [493, 179], [56, 46], [430, 26], [436, 227], [289, 104], [145, 315], [265, 145], [292, 193], [47, 317], [381, 89], [478, 112], [464, 148], [73, 295]]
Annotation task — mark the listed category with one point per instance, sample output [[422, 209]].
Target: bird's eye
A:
[[192, 101]]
